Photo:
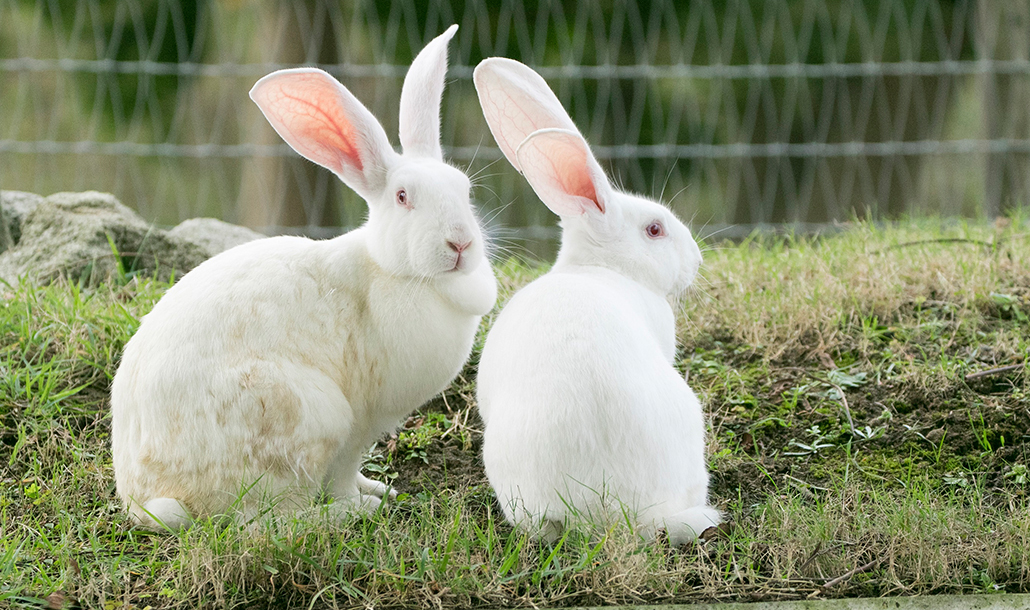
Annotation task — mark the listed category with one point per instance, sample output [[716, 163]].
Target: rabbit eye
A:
[[655, 230], [402, 198]]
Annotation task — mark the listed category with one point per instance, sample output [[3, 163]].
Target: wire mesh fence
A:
[[736, 112]]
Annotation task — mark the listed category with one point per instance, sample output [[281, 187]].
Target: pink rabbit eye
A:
[[655, 230], [402, 198]]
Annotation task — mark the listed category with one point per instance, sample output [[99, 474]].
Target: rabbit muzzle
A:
[[461, 246]]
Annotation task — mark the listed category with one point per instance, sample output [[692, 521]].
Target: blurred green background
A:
[[736, 113]]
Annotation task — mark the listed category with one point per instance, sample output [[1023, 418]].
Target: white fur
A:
[[267, 371], [171, 513], [586, 417]]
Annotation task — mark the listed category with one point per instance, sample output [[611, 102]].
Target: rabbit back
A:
[[606, 418]]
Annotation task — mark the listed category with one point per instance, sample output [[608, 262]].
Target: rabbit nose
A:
[[459, 247]]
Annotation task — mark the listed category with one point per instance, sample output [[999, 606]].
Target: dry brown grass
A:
[[786, 296]]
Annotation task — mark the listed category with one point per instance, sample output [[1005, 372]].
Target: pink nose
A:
[[459, 248]]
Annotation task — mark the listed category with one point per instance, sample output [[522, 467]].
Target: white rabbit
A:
[[272, 367], [585, 415]]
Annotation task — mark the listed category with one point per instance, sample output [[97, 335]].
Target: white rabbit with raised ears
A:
[[266, 372], [585, 415]]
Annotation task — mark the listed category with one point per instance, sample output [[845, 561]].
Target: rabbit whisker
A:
[[415, 286], [475, 153], [473, 177], [701, 291], [618, 181], [489, 190], [517, 250], [512, 251], [494, 213], [701, 229], [477, 179], [672, 168], [677, 194], [716, 232]]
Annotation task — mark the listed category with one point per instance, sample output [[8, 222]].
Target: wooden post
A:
[[274, 189], [1003, 34]]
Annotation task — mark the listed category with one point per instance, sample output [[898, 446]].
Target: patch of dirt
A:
[[449, 463], [948, 428], [449, 466]]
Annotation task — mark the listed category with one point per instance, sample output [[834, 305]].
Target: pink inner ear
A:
[[307, 111], [575, 179], [563, 172]]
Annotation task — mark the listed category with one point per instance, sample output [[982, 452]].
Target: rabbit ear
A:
[[516, 102], [561, 169], [420, 99], [325, 123]]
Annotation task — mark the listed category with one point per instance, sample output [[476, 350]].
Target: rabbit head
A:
[[601, 226], [420, 219]]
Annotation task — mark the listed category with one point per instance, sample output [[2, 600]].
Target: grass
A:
[[847, 444]]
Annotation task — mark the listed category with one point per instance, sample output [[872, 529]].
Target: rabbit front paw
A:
[[375, 488]]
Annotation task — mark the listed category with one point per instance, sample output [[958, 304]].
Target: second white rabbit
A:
[[586, 417]]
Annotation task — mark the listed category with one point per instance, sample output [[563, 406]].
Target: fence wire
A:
[[734, 112]]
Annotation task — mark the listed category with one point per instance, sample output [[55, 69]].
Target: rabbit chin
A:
[[465, 264], [682, 287]]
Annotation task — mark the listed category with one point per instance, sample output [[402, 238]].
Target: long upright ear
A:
[[564, 173], [516, 102], [325, 123], [420, 99]]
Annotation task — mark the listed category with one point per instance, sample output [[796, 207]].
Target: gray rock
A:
[[213, 235], [90, 237], [14, 207]]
